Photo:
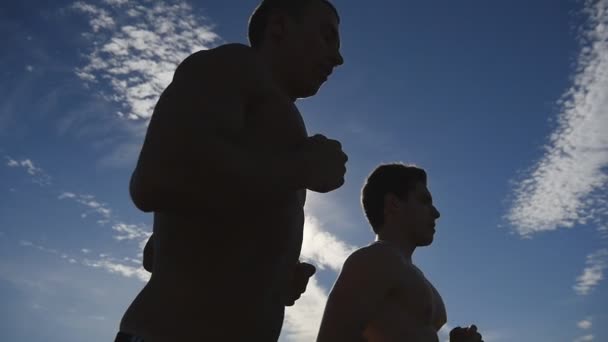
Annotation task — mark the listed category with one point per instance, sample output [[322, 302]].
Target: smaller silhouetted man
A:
[[380, 295]]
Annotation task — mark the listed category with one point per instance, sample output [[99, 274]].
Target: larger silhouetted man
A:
[[224, 168]]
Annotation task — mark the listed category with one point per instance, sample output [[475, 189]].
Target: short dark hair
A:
[[396, 178], [259, 18]]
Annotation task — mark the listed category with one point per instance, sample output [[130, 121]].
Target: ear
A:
[[391, 203], [277, 25]]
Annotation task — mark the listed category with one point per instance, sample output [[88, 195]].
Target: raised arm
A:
[[191, 156]]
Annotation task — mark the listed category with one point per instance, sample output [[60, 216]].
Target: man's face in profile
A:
[[313, 45], [419, 215]]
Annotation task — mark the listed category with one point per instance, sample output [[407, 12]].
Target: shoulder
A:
[[375, 259], [223, 60]]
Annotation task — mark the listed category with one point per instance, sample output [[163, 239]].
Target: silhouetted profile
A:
[[380, 295], [224, 167]]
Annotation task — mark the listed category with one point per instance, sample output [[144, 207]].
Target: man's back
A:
[[225, 240]]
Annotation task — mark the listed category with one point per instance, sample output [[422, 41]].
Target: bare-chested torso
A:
[[420, 306], [221, 275]]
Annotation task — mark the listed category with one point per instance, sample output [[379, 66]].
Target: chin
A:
[[425, 242], [309, 92]]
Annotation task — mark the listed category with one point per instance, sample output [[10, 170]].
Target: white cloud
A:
[[131, 232], [593, 273], [585, 324], [29, 68], [567, 185], [119, 268], [138, 52], [322, 248], [100, 19], [37, 174], [585, 338]]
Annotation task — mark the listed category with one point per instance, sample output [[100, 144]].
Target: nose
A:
[[337, 59], [436, 213]]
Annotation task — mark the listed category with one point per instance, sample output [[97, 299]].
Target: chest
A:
[[274, 123], [422, 300]]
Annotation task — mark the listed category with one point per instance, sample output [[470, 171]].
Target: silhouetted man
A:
[[225, 167], [380, 295]]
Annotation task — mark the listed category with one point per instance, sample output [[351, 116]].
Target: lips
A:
[[326, 72]]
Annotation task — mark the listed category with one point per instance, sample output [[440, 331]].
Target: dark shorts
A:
[[122, 337]]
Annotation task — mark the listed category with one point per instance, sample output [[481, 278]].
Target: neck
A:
[[402, 244], [268, 56]]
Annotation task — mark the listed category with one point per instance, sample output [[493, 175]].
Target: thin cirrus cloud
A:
[[593, 273], [567, 186], [38, 175], [127, 267], [92, 204]]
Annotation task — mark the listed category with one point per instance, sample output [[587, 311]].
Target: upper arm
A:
[[205, 102], [366, 277]]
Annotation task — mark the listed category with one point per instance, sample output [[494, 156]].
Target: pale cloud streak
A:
[[121, 269], [567, 186], [37, 174], [592, 274], [131, 232], [94, 206], [585, 324]]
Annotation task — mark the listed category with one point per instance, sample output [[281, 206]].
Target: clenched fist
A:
[[299, 280], [469, 334], [324, 163]]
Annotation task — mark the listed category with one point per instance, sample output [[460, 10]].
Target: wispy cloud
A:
[[123, 231], [131, 231], [26, 243], [585, 324], [37, 174], [593, 273], [323, 248], [94, 206], [136, 48], [116, 267], [567, 186]]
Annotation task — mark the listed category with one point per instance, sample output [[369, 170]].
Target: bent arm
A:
[[192, 155]]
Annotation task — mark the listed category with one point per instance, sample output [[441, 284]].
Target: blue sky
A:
[[503, 103]]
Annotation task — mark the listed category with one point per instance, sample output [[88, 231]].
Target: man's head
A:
[[397, 202], [302, 36]]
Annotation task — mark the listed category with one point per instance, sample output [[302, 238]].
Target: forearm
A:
[[220, 177]]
